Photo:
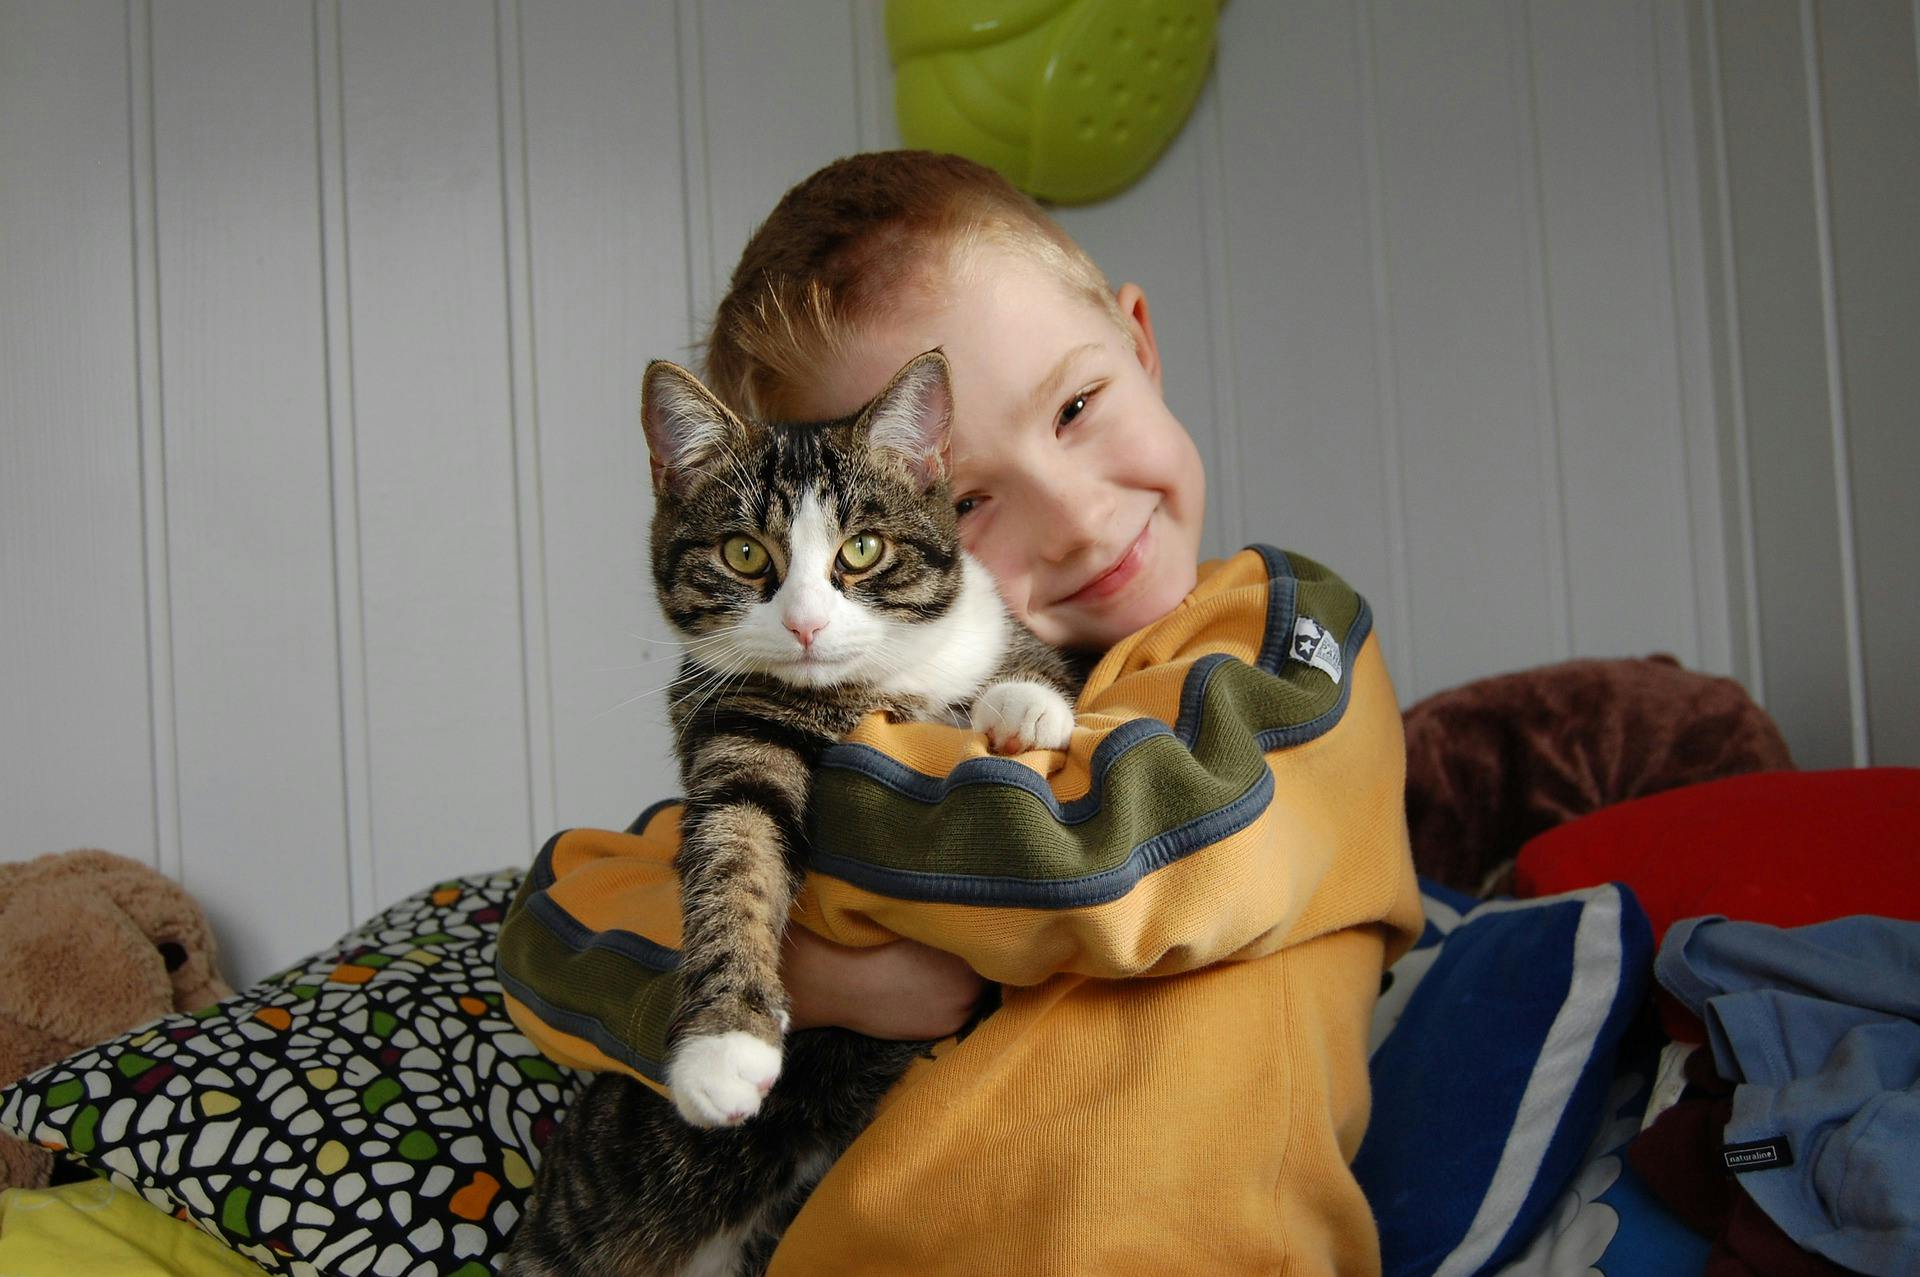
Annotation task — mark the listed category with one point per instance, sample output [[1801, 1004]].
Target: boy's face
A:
[[1076, 487]]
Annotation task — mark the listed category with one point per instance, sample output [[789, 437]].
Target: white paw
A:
[[1022, 716], [720, 1080]]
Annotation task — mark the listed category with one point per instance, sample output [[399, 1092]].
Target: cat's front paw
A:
[[1020, 716], [720, 1080]]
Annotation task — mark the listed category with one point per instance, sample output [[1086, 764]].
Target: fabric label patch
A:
[[1757, 1155], [1314, 646]]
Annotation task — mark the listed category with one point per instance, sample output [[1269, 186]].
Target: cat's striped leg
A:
[[738, 872]]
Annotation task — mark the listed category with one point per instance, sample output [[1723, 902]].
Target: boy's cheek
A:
[[1004, 556]]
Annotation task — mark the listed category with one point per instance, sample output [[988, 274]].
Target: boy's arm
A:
[[601, 996], [1235, 786], [1221, 778], [902, 992], [588, 955]]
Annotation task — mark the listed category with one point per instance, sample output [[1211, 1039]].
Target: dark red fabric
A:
[[1679, 1158], [1752, 1245], [1786, 848], [1678, 1155]]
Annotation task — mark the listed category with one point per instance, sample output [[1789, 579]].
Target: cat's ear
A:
[[908, 422], [685, 423]]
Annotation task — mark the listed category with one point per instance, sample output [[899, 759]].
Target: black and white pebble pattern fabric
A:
[[370, 1111]]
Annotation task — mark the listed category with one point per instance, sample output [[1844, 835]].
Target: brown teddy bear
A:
[[91, 945]]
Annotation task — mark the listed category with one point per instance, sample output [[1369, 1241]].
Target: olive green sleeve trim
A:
[[615, 989], [993, 833]]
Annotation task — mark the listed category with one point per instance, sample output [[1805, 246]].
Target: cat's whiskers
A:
[[678, 679], [662, 659], [738, 671], [693, 642], [699, 644], [694, 669], [692, 646], [621, 669]]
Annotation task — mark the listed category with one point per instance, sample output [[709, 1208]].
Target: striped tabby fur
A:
[[629, 1186]]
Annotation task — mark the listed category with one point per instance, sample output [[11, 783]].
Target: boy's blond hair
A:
[[854, 240]]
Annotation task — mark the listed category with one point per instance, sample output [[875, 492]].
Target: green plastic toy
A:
[[1071, 100]]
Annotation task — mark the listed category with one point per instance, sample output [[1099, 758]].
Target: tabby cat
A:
[[815, 574]]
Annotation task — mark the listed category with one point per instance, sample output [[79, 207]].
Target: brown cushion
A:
[[1493, 763]]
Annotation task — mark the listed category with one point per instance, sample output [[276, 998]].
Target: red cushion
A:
[[1786, 848]]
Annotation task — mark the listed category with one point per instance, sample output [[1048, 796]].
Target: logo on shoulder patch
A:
[[1313, 645]]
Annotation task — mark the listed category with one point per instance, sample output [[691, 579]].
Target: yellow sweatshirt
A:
[[1227, 820]]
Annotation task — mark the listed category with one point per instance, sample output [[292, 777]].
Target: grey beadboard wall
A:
[[1810, 145], [1560, 328]]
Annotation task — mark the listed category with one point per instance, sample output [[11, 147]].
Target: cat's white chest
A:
[[945, 661]]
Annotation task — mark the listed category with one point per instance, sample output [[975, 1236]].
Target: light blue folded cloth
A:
[[1820, 1028]]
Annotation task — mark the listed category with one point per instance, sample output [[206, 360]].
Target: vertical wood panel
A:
[[1800, 601], [349, 612], [1413, 269], [1856, 708], [609, 293], [76, 765], [447, 719], [1542, 353], [1301, 274], [1227, 512], [1871, 92], [696, 201], [250, 548], [1718, 584], [165, 735], [873, 76], [1479, 525], [777, 101], [1722, 283], [536, 666], [1618, 400]]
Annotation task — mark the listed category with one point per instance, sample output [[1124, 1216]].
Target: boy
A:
[[1254, 855]]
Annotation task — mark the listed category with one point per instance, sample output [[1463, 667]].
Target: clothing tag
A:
[[1669, 1079], [1757, 1155], [1314, 646]]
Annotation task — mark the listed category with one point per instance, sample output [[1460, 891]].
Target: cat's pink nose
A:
[[804, 629]]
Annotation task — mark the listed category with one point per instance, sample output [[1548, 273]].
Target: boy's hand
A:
[[901, 991]]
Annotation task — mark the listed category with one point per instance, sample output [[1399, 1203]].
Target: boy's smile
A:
[[1076, 487]]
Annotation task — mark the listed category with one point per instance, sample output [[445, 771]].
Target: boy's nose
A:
[[1077, 520]]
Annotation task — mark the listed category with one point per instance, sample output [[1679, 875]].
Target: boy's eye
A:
[[860, 551], [1075, 406], [746, 556], [965, 506]]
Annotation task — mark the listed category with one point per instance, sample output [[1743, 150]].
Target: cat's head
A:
[[799, 551]]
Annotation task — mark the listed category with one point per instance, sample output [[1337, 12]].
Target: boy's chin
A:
[[1090, 629]]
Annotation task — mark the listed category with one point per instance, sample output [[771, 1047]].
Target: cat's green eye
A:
[[861, 551], [745, 556]]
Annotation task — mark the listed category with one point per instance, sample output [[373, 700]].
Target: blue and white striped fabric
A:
[[1491, 1070]]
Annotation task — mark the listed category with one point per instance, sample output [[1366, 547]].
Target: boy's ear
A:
[[1139, 320], [684, 421], [908, 422]]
